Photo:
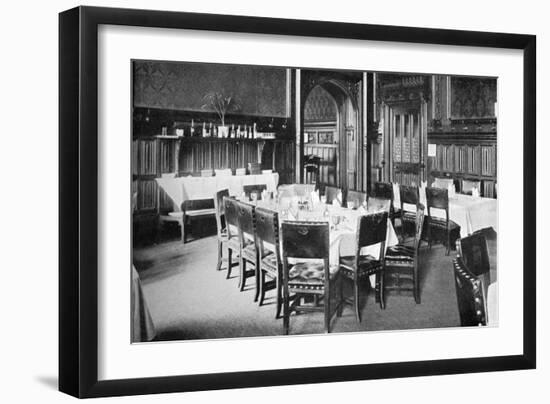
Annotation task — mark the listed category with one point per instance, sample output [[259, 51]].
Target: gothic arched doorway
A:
[[331, 126]]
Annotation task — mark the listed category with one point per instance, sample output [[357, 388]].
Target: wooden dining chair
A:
[[254, 168], [221, 229], [469, 294], [232, 227], [249, 250], [385, 190], [356, 198], [443, 230], [402, 257], [307, 245], [375, 204], [410, 195], [332, 193], [442, 183], [371, 230], [468, 186], [254, 189], [271, 275], [474, 253]]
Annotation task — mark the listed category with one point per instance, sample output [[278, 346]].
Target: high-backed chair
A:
[[371, 230], [249, 250], [408, 195], [375, 204], [385, 190], [254, 168], [255, 188], [220, 224], [233, 244], [438, 198], [308, 243], [193, 210], [474, 253], [267, 237], [356, 198], [332, 193], [442, 183], [469, 185], [403, 257], [469, 295]]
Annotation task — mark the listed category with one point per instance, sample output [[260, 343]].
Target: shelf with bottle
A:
[[193, 124]]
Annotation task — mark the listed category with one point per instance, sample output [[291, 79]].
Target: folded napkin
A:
[[267, 171]]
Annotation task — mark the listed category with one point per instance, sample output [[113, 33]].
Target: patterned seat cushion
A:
[[368, 265], [400, 255], [269, 264], [249, 251], [309, 274], [440, 222]]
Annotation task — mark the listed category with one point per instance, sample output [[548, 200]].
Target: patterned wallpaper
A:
[[320, 106], [181, 86], [473, 98]]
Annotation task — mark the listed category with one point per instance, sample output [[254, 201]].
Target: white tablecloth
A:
[[471, 213], [184, 188], [343, 236]]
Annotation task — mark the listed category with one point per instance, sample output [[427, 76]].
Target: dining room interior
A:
[[272, 201]]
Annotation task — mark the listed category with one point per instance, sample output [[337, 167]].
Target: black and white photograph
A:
[[282, 200]]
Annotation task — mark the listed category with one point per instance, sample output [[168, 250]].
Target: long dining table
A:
[[343, 225], [470, 212], [180, 189]]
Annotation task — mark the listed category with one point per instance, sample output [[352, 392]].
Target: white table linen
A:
[[471, 213], [188, 188]]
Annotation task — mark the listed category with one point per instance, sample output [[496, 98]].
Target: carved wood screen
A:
[[406, 134], [403, 112]]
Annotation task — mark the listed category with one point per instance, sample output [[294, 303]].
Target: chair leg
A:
[[229, 262], [416, 290], [327, 311], [448, 242], [279, 297], [340, 297], [356, 300], [183, 235], [260, 278], [381, 291], [242, 277], [220, 255], [286, 312]]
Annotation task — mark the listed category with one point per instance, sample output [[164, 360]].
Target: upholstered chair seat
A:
[[368, 265], [309, 274]]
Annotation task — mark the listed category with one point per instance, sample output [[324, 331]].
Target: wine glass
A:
[[254, 197], [324, 199], [351, 205]]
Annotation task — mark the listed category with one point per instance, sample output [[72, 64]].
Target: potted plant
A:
[[222, 104]]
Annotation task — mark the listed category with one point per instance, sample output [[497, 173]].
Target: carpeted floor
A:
[[189, 299]]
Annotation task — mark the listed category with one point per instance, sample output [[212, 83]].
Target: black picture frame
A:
[[78, 196]]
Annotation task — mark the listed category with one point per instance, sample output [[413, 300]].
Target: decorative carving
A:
[[473, 98], [400, 89], [181, 86]]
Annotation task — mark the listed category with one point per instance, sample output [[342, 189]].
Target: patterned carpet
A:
[[189, 299]]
